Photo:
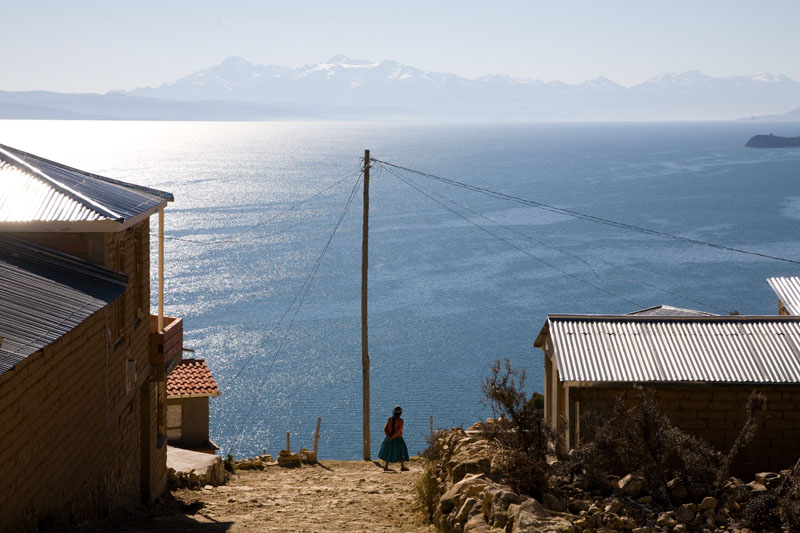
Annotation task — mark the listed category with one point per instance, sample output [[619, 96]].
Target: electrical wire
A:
[[424, 192], [301, 295], [232, 237], [584, 216], [522, 234]]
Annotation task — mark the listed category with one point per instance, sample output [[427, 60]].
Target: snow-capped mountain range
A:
[[345, 88], [355, 83]]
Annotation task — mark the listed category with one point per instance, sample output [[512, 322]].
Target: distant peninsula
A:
[[773, 141]]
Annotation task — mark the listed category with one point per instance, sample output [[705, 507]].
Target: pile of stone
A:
[[473, 498], [214, 476], [259, 462]]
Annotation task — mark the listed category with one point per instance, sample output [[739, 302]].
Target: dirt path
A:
[[334, 496]]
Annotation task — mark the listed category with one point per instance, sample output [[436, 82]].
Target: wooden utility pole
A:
[[364, 347]]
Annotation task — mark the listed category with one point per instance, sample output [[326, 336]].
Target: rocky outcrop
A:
[[473, 498], [773, 141]]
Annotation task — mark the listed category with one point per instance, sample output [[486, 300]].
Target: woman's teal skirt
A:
[[394, 451]]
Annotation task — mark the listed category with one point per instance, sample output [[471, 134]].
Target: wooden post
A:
[[431, 428], [160, 270], [316, 436], [288, 449], [364, 347]]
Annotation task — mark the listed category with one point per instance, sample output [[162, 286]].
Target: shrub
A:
[[521, 437], [435, 442], [642, 440], [426, 489]]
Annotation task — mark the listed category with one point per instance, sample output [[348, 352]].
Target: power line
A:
[[301, 295], [423, 191], [232, 239], [584, 216], [513, 230]]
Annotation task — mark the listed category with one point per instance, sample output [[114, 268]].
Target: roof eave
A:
[[193, 395], [80, 226]]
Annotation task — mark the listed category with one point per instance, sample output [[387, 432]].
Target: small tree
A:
[[519, 433]]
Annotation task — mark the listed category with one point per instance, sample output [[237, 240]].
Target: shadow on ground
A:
[[168, 514]]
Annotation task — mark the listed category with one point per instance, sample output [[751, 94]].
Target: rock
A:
[[645, 529], [709, 503], [464, 512], [553, 502], [244, 464], [768, 479], [258, 464], [307, 456], [476, 524], [631, 485], [531, 517], [677, 490], [686, 513], [576, 506], [613, 507], [680, 528], [481, 465], [645, 499], [666, 520], [288, 460], [469, 487], [756, 487]]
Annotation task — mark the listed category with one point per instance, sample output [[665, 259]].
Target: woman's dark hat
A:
[[398, 410]]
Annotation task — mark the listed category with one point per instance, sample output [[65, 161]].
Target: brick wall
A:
[[716, 413], [78, 432]]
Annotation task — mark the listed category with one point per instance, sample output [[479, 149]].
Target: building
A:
[[82, 363], [189, 387], [702, 367]]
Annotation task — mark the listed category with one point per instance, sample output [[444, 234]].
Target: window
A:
[[174, 422]]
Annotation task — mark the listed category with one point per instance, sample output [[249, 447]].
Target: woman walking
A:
[[393, 449]]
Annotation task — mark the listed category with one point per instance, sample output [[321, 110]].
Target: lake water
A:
[[446, 298]]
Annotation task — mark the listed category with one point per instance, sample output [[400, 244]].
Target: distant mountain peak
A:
[[342, 59]]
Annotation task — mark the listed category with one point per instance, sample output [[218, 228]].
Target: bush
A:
[[643, 441], [426, 489], [435, 442], [521, 437]]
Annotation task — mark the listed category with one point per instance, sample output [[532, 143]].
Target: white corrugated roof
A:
[[788, 291], [41, 195], [715, 349], [25, 197]]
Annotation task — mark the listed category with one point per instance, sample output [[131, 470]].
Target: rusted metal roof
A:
[[711, 349], [44, 294], [34, 190], [191, 378], [788, 291]]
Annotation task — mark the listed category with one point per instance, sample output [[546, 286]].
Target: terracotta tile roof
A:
[[191, 378]]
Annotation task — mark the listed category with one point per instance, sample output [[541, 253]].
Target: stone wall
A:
[[79, 426], [716, 413]]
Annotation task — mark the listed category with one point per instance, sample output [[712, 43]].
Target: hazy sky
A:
[[94, 46]]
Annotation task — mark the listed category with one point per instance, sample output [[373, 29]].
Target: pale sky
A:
[[95, 46]]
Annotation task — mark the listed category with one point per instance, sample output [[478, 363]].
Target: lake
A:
[[452, 289]]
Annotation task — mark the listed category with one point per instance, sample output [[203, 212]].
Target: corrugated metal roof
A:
[[44, 294], [668, 310], [788, 291], [713, 349], [33, 189]]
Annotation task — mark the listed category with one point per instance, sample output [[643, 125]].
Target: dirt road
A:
[[333, 496]]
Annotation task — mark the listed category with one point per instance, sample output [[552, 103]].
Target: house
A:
[[788, 291], [702, 368], [189, 387], [82, 364]]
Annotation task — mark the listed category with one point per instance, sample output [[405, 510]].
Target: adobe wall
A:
[[78, 433], [716, 413], [195, 420]]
